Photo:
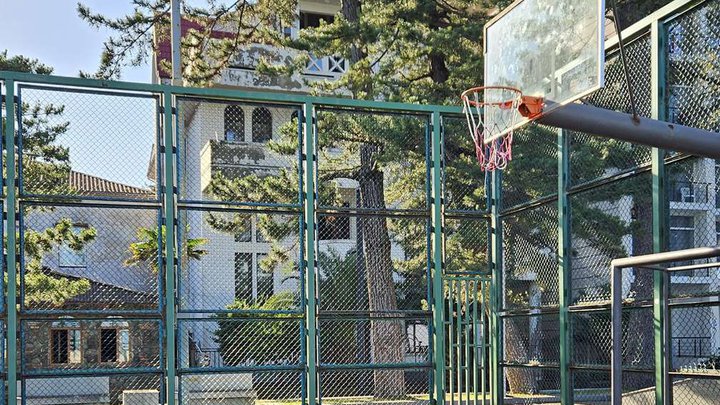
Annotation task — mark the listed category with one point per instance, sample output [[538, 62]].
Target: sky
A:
[[51, 31], [108, 136]]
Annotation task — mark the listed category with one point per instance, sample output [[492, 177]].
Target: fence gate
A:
[[466, 327]]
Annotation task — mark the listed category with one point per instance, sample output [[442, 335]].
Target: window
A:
[[312, 20], [234, 123], [244, 234], [682, 232], [261, 125], [70, 257], [114, 342], [682, 236], [331, 227], [243, 276], [65, 346], [265, 282]]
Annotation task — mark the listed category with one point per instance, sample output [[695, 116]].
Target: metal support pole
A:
[[11, 240], [564, 267], [496, 292], [175, 38], [616, 333], [438, 254], [170, 222], [660, 240], [650, 132], [309, 205]]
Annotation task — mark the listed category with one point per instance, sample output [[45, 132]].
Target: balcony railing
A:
[[692, 346], [690, 191], [328, 66]]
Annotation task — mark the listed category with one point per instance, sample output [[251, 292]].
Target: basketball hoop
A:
[[492, 113]]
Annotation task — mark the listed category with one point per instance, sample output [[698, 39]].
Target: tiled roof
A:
[[88, 184]]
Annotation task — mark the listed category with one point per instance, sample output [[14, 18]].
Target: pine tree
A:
[[46, 170], [424, 51]]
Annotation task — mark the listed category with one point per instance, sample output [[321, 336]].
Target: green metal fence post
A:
[[438, 254], [496, 291], [310, 267], [660, 285], [169, 244], [564, 267], [11, 240]]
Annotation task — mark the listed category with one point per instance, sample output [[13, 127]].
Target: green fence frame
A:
[[653, 25], [169, 205]]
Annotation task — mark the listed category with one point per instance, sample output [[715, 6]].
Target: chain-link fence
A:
[[171, 245]]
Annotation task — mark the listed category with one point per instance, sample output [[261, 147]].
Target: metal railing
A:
[[690, 191], [692, 346]]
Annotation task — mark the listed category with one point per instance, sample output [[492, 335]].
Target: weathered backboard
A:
[[547, 48]]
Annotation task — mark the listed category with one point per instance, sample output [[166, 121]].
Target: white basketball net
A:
[[492, 113]]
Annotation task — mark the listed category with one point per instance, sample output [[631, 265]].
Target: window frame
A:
[[235, 114], [249, 262], [71, 358], [262, 120], [119, 327]]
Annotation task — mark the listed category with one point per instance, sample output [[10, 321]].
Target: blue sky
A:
[[51, 31], [108, 136]]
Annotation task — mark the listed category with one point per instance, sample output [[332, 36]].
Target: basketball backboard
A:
[[552, 49]]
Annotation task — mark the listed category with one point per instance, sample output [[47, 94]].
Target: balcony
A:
[[692, 346], [242, 72], [690, 192], [237, 159]]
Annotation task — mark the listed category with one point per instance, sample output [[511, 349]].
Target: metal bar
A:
[[646, 131], [699, 266], [302, 254], [169, 246], [564, 267], [623, 61], [659, 218], [496, 291], [451, 339], [674, 256], [459, 338], [175, 38], [616, 333], [286, 98], [468, 342], [11, 240], [438, 305], [477, 295], [310, 206], [375, 366]]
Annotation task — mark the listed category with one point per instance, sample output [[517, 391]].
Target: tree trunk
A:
[[386, 335], [521, 380], [639, 330]]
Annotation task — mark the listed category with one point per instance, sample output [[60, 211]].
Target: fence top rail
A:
[[659, 258], [230, 94], [662, 15]]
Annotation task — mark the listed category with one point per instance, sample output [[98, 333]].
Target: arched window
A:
[[234, 123], [261, 125]]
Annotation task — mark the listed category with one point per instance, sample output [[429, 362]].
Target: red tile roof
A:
[[87, 184]]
